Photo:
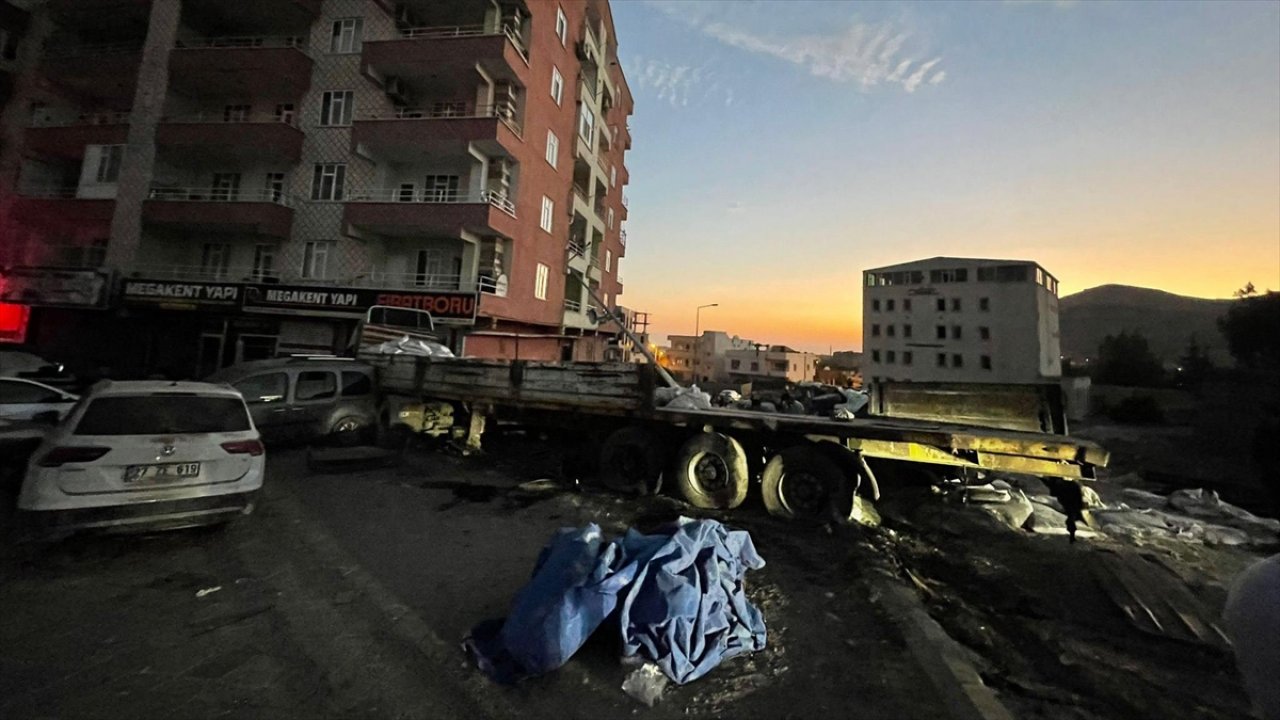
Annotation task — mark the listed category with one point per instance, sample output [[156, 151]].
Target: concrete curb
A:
[[938, 654]]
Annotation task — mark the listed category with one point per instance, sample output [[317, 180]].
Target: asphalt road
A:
[[348, 595]]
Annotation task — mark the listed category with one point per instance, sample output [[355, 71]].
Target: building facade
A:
[[189, 183], [960, 320], [772, 362], [703, 358]]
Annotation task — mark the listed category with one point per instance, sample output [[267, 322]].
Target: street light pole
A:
[[697, 337]]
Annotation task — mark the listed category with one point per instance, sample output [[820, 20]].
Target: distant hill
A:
[[1165, 319]]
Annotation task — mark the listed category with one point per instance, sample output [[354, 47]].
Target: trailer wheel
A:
[[711, 469], [802, 483], [631, 461]]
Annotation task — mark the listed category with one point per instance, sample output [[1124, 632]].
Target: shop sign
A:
[[181, 295], [54, 287]]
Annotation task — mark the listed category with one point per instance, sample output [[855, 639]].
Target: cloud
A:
[[866, 54], [677, 84]]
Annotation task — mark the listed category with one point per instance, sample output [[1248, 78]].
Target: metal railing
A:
[[622, 237], [407, 281], [431, 197], [229, 117], [240, 42], [167, 271], [460, 31], [491, 286], [219, 194], [94, 50], [104, 117], [446, 111], [53, 192], [572, 305]]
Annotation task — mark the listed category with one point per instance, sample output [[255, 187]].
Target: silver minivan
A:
[[306, 398]]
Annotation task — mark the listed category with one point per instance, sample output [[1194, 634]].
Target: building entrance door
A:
[[209, 352]]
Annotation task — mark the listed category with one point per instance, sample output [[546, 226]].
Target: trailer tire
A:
[[711, 470], [631, 461], [804, 484]]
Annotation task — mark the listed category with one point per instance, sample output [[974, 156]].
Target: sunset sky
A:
[[779, 148]]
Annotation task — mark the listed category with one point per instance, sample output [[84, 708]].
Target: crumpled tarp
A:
[[417, 347], [678, 593]]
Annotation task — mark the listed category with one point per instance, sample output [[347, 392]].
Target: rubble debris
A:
[[681, 398], [864, 512], [208, 591], [1189, 515], [1002, 501], [646, 684], [416, 347], [679, 593], [1155, 601]]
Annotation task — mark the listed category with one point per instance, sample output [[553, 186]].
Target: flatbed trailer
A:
[[808, 467]]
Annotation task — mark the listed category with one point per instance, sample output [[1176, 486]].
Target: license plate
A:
[[160, 473]]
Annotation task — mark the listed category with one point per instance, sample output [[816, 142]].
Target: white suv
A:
[[151, 454]]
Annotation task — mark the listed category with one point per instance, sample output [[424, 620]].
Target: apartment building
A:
[[190, 183], [960, 320], [772, 362], [703, 358]]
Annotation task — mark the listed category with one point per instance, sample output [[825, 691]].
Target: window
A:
[[163, 415], [875, 331], [608, 261], [942, 304], [548, 210], [315, 259], [906, 331], [264, 261], [875, 306], [609, 218], [949, 276], [235, 113], [955, 332], [906, 305], [328, 181], [613, 176], [226, 186], [109, 159], [890, 330], [562, 27], [557, 84], [955, 304], [284, 113], [735, 364], [346, 35], [891, 357], [986, 362], [335, 107], [8, 45], [355, 384], [553, 148], [540, 282], [315, 385], [586, 123], [440, 188], [215, 258], [1003, 273], [1039, 276], [405, 192], [888, 305], [264, 388], [431, 268], [984, 332], [984, 304], [942, 359], [273, 185], [957, 360], [906, 357], [942, 332], [755, 367], [24, 393], [875, 356]]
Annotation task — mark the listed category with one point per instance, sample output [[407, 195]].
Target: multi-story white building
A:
[[777, 362], [703, 359], [960, 320]]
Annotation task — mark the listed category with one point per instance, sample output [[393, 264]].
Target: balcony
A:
[[262, 15], [432, 52], [66, 138], [101, 74], [57, 210], [414, 281], [399, 213], [413, 132], [247, 66], [219, 210], [219, 137]]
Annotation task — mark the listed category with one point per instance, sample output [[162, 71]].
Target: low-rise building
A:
[[777, 362], [703, 359]]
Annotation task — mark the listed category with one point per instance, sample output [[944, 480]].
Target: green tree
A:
[[1126, 359], [1194, 367], [1252, 330]]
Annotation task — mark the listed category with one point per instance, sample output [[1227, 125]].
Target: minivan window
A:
[[355, 384], [315, 385], [264, 388], [163, 415]]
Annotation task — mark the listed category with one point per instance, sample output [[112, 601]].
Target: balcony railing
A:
[[410, 281], [204, 273], [505, 112], [243, 41], [219, 194], [105, 117], [446, 197], [622, 237], [457, 31], [94, 50], [52, 192], [223, 116], [572, 305]]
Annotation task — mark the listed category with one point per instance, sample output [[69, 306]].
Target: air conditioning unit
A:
[[504, 100], [500, 170], [394, 88]]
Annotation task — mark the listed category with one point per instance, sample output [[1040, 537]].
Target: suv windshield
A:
[[163, 415]]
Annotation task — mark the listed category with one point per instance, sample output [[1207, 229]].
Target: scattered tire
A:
[[631, 461], [803, 483], [350, 430], [711, 470]]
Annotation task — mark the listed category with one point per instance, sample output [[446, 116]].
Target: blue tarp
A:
[[678, 595]]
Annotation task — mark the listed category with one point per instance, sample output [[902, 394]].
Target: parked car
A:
[[306, 398], [146, 454], [22, 399], [20, 363]]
